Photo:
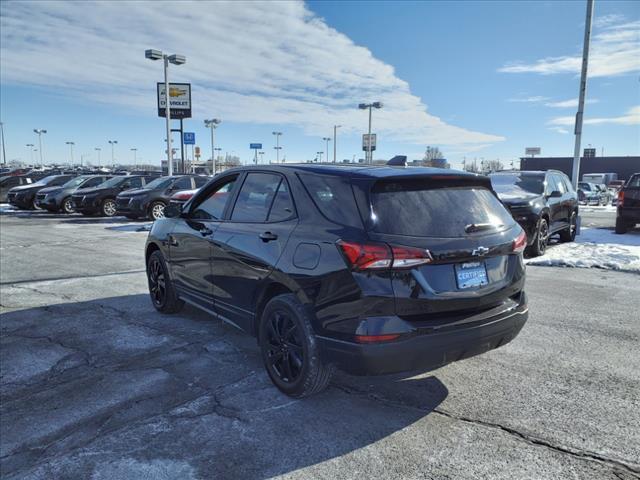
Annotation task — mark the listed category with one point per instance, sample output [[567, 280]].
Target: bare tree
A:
[[432, 153], [493, 165]]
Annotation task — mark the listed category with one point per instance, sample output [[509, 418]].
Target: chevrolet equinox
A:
[[371, 270]]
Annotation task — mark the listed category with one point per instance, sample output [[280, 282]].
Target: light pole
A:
[[327, 140], [575, 171], [135, 157], [113, 157], [370, 106], [213, 124], [71, 144], [320, 156], [335, 140], [261, 153], [176, 60], [39, 132], [4, 153], [98, 149], [277, 147], [30, 147]]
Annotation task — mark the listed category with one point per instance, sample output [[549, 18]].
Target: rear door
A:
[[632, 192], [556, 214], [247, 246], [190, 247], [466, 230]]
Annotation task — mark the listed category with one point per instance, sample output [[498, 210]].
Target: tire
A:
[[163, 295], [67, 206], [33, 205], [621, 226], [108, 207], [569, 234], [156, 210], [542, 238], [289, 348]]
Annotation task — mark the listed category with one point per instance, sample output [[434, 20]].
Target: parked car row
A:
[[134, 196]]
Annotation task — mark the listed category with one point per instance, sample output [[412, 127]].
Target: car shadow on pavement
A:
[[109, 388]]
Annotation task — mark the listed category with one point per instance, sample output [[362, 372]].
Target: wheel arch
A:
[[151, 247], [268, 291]]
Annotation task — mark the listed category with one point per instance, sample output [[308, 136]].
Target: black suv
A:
[[151, 200], [628, 209], [25, 196], [543, 203], [372, 270], [102, 199], [59, 198], [7, 182]]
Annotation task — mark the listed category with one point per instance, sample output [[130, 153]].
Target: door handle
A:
[[204, 231], [268, 236]]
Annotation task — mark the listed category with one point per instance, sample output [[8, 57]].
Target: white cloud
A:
[[631, 117], [571, 103], [252, 62], [615, 50], [534, 99], [561, 130]]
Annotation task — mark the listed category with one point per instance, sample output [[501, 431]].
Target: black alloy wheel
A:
[[569, 234], [67, 206], [161, 291], [285, 352]]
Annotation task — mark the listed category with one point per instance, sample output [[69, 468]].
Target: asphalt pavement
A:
[[94, 383]]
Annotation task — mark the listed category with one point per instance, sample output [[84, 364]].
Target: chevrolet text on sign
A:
[[179, 100]]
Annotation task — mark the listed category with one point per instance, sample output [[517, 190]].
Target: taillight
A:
[[377, 256], [182, 195], [621, 198], [520, 243], [376, 338]]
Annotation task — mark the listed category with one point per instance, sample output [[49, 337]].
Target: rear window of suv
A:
[[412, 209], [334, 198]]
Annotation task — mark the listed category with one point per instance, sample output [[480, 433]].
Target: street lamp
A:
[[30, 146], [213, 124], [98, 149], [327, 140], [320, 156], [39, 132], [370, 106], [335, 140], [113, 158], [176, 60], [261, 153], [135, 157], [71, 144], [277, 147]]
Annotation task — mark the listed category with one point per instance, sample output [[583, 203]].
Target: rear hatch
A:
[[469, 237]]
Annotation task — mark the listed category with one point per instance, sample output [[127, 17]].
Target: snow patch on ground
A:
[[607, 208], [6, 208], [595, 248], [135, 227]]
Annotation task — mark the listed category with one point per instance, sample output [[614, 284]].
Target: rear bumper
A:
[[426, 351]]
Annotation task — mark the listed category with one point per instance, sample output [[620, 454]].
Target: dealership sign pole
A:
[[583, 90]]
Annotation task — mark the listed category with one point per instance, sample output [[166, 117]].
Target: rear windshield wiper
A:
[[478, 227]]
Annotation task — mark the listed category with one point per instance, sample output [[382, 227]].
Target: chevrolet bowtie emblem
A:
[[480, 251]]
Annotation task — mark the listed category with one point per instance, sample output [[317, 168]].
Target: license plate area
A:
[[471, 275]]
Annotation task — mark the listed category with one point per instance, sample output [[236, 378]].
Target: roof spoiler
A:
[[398, 161]]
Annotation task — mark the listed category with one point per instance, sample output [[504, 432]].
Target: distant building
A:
[[624, 167]]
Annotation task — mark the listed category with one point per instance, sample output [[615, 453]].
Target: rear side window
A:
[[201, 181], [183, 183], [634, 182], [93, 182], [408, 208], [334, 198], [135, 182], [282, 207], [255, 198]]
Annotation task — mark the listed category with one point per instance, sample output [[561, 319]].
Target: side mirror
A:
[[555, 194], [173, 210]]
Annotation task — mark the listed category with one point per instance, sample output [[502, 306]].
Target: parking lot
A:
[[96, 384]]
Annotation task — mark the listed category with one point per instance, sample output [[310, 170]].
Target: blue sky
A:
[[477, 79]]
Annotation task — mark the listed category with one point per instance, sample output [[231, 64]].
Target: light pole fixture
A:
[[113, 158], [176, 60], [213, 124], [39, 132], [135, 157], [277, 147], [30, 147], [327, 140], [335, 140], [71, 144], [320, 156], [98, 149], [370, 106]]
